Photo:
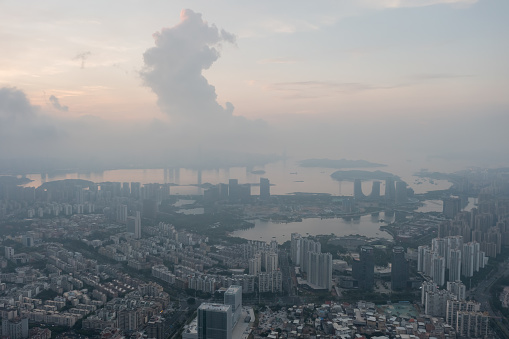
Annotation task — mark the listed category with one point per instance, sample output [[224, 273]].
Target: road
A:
[[482, 295]]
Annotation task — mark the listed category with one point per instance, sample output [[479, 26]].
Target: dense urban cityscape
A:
[[254, 169], [119, 259]]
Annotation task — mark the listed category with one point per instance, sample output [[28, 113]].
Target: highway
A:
[[482, 295]]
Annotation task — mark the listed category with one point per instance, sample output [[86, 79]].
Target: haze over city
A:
[[161, 85], [225, 169]]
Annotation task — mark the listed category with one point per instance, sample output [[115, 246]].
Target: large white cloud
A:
[[173, 68]]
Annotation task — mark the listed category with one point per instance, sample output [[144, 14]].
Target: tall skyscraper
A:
[[363, 270], [438, 269], [233, 190], [122, 213], [422, 252], [214, 321], [401, 194], [399, 269], [375, 190], [470, 259], [126, 190], [454, 265], [255, 265], [390, 190], [136, 190], [134, 225], [296, 248], [233, 297], [223, 191], [308, 245], [264, 188], [269, 261], [320, 270]]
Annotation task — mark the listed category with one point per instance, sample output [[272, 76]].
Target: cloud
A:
[[14, 105], [82, 56], [22, 128], [56, 104], [173, 68]]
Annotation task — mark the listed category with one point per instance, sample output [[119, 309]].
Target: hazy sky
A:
[[350, 78]]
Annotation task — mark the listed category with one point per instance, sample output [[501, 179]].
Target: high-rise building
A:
[[264, 188], [319, 271], [363, 270], [422, 252], [457, 288], [454, 265], [233, 190], [233, 297], [136, 190], [427, 286], [390, 190], [295, 248], [470, 259], [121, 213], [399, 269], [453, 306], [134, 225], [9, 252], [375, 190], [270, 282], [401, 192], [255, 265], [214, 321], [223, 191], [439, 246], [451, 207], [472, 324], [438, 269], [269, 261], [308, 245], [16, 328], [436, 303], [126, 190]]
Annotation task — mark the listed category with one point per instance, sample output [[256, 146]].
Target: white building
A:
[[454, 265], [214, 321], [233, 297]]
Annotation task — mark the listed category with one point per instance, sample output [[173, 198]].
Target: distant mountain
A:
[[363, 175], [341, 163]]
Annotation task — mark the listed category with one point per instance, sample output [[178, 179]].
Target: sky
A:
[[191, 81]]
